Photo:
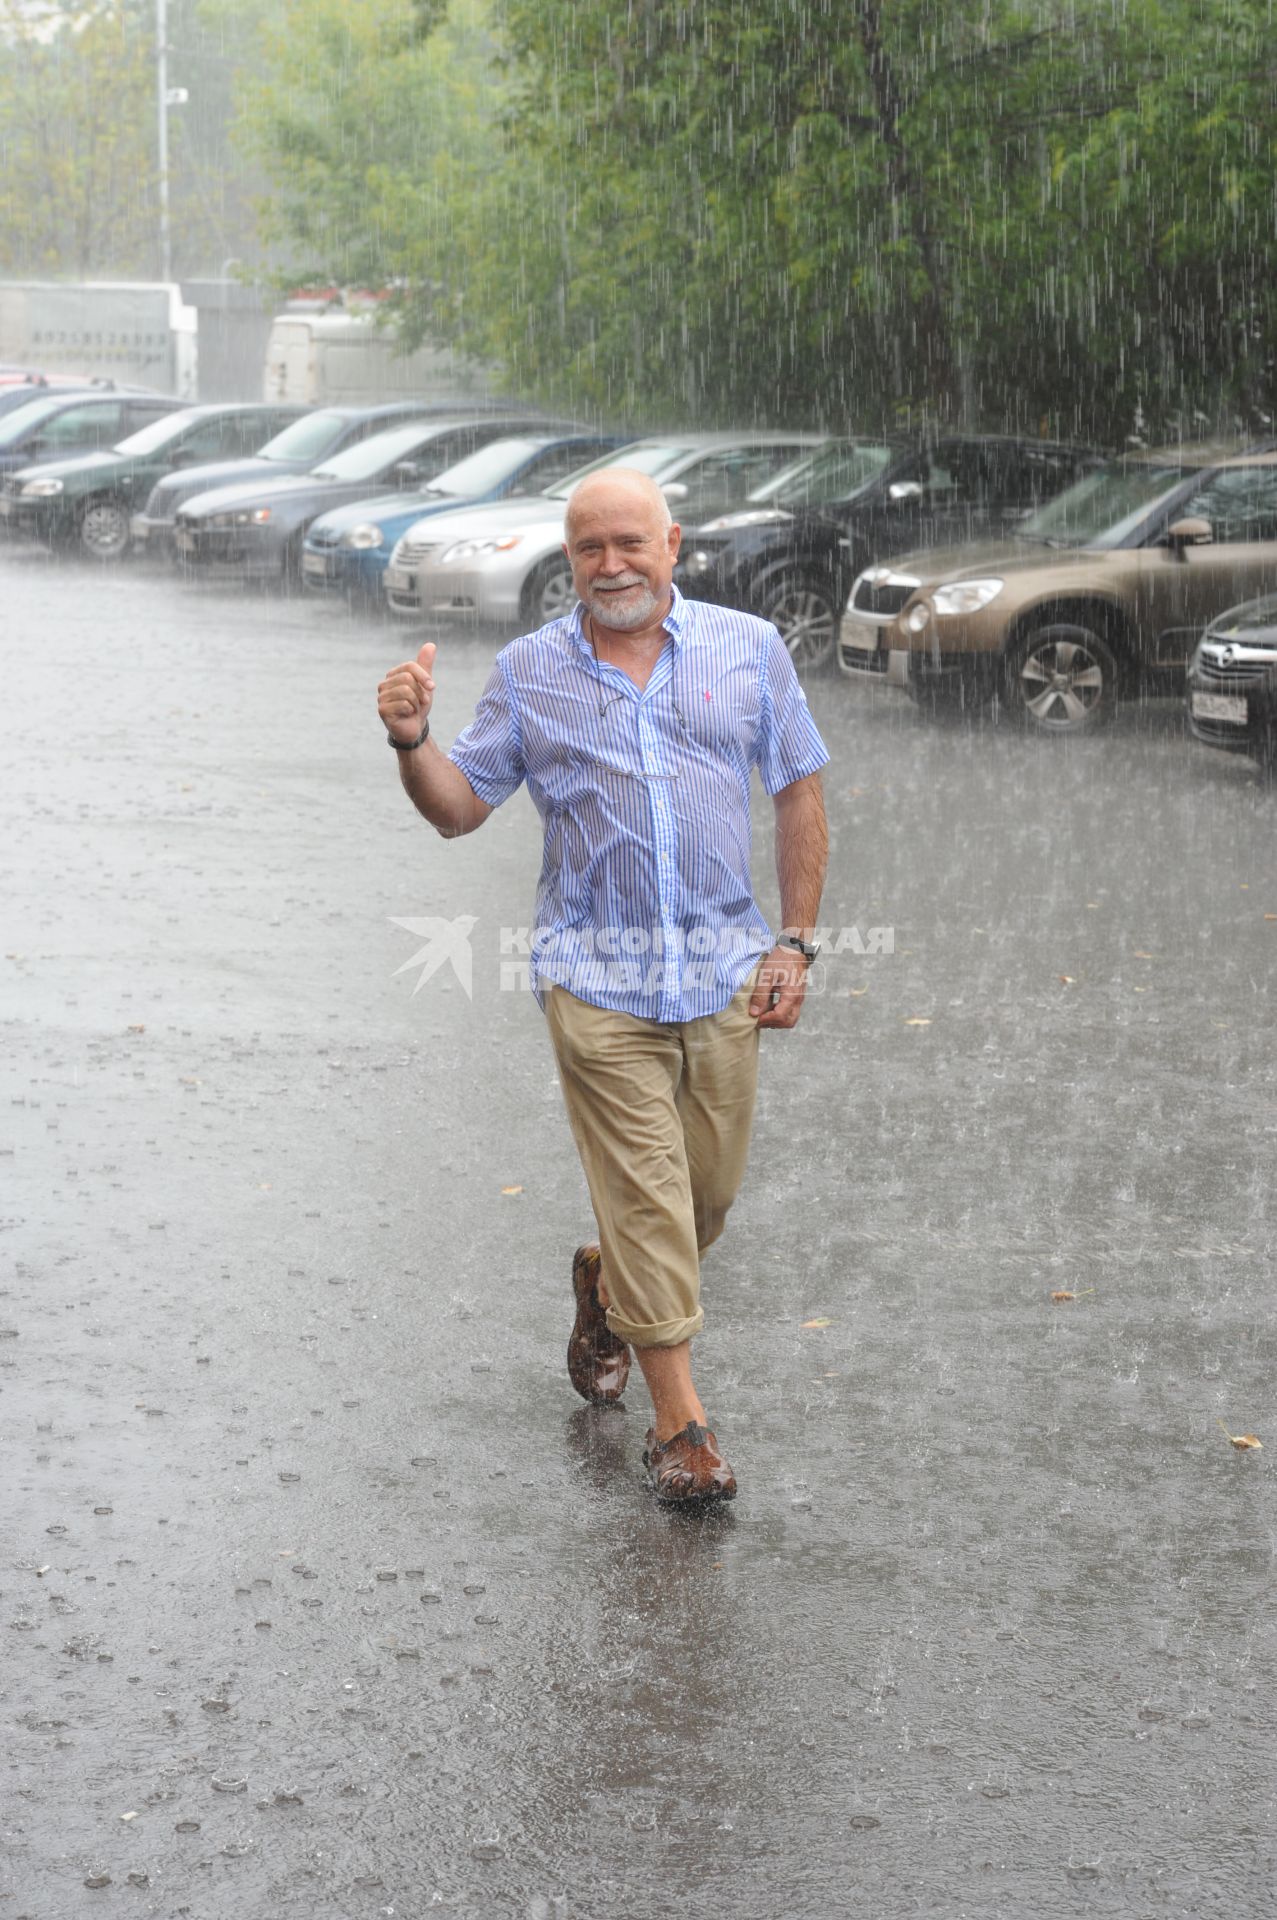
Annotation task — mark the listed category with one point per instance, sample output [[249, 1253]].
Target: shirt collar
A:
[[678, 623]]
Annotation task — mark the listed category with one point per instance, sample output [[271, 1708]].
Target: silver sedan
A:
[[504, 562]]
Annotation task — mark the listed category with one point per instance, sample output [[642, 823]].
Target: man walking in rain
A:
[[635, 722]]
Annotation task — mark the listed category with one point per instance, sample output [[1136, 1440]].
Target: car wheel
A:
[[1061, 678], [549, 593], [806, 618], [104, 529]]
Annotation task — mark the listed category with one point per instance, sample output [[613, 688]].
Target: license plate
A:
[[185, 542], [398, 580], [315, 565], [863, 635], [1220, 706]]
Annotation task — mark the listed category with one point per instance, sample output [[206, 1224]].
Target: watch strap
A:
[[799, 945], [410, 746]]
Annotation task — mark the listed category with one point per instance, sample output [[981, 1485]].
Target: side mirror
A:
[[901, 490], [674, 491], [1190, 533]]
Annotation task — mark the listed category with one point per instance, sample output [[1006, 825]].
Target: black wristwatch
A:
[[410, 746], [799, 945]]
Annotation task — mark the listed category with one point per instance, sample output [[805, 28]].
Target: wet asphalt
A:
[[321, 1593]]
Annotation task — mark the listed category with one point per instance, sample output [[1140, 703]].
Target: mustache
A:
[[631, 580]]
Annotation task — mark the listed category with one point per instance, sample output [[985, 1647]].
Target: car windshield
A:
[[486, 468], [643, 458], [171, 426], [15, 424], [835, 471], [370, 456], [1104, 507], [306, 439]]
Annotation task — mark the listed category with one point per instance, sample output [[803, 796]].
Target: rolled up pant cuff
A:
[[662, 1333]]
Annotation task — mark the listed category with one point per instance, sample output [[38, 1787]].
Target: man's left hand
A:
[[777, 999]]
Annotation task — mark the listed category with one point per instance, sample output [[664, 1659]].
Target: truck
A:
[[138, 333], [353, 359]]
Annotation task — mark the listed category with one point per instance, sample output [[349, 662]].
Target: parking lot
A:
[[322, 1593]]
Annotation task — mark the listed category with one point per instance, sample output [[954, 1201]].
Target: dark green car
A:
[[89, 499]]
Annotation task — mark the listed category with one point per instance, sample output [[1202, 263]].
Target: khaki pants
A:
[[661, 1115]]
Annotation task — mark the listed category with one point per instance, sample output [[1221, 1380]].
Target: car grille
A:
[[882, 592], [861, 660], [412, 553], [1212, 669], [323, 537], [11, 486]]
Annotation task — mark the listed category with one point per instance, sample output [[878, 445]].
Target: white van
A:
[[347, 359]]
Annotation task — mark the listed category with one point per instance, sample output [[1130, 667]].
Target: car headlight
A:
[[362, 537], [470, 549], [697, 561], [750, 517], [965, 596], [40, 489]]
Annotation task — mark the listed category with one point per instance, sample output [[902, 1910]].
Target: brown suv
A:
[[1105, 589]]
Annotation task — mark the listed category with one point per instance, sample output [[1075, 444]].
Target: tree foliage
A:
[[77, 167], [996, 210], [370, 116]]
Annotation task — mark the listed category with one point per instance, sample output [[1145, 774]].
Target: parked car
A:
[[15, 393], [1232, 683], [258, 530], [307, 443], [1104, 590], [791, 552], [347, 551], [53, 426], [505, 562], [88, 498]]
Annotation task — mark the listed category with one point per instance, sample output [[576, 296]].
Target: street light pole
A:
[[162, 102]]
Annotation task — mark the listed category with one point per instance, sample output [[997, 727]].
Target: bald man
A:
[[636, 722]]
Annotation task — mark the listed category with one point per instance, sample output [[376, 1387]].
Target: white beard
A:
[[639, 612]]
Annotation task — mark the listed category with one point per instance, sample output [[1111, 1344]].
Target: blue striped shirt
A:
[[645, 903]]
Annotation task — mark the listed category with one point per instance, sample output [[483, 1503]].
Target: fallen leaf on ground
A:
[[917, 1020], [818, 1323], [856, 992], [1067, 980], [512, 1189], [1062, 1294], [1141, 955], [1244, 1442], [137, 1029], [1270, 916]]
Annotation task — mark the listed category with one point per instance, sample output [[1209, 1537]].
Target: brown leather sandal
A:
[[598, 1362], [688, 1467]]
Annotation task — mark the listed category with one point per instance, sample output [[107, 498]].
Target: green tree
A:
[[991, 210], [77, 165], [368, 115]]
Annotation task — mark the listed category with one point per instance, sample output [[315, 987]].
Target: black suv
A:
[[793, 551]]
